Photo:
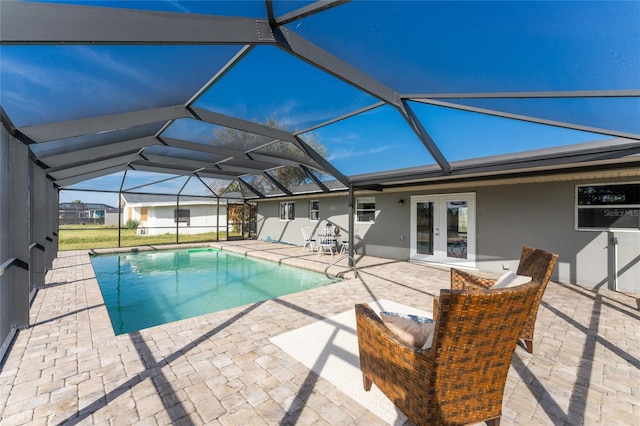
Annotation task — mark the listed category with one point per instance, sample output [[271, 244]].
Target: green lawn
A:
[[75, 237]]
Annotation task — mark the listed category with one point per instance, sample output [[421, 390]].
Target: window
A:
[[287, 211], [604, 207], [314, 210], [182, 215], [366, 209]]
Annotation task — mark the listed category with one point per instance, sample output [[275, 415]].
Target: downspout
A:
[[614, 243]]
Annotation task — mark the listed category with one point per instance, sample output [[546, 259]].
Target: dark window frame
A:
[[287, 211], [367, 213], [180, 216], [314, 210], [608, 207]]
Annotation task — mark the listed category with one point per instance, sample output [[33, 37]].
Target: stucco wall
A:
[[203, 218], [111, 219], [543, 215], [382, 238], [508, 217]]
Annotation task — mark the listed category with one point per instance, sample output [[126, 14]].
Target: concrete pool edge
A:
[[306, 260]]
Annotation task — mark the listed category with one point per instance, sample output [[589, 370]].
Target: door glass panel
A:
[[424, 227], [457, 229]]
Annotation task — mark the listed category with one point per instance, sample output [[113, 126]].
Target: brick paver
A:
[[221, 368]]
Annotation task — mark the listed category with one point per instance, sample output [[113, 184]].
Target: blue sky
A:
[[413, 47]]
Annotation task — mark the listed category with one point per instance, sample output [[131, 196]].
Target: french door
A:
[[443, 228]]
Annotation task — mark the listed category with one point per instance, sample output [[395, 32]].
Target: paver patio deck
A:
[[221, 368]]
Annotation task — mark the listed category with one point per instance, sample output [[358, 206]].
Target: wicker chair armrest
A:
[[436, 307], [461, 280]]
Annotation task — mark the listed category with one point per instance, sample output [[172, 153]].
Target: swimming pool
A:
[[145, 289]]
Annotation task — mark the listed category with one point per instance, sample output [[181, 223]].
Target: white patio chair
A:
[[307, 240], [326, 241]]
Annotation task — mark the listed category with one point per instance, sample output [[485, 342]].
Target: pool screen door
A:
[[443, 228], [241, 220]]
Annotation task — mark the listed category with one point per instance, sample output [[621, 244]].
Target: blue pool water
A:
[[144, 289]]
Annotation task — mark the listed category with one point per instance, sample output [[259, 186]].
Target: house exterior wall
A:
[[128, 214], [81, 213], [508, 217], [387, 237], [111, 219], [160, 219], [543, 215]]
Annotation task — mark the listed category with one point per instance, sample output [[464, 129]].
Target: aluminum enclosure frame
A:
[[45, 24]]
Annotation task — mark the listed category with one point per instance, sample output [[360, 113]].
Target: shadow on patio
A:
[[221, 368]]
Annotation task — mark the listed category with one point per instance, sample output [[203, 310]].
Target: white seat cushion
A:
[[511, 279]]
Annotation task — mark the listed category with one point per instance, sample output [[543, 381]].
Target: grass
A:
[[74, 237]]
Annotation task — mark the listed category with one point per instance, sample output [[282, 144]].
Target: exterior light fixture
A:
[[401, 203]]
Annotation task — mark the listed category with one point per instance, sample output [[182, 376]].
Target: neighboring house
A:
[[164, 214], [590, 217], [86, 213]]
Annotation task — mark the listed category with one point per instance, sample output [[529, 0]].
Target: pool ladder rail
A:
[[344, 256]]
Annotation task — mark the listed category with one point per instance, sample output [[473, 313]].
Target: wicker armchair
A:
[[461, 378], [534, 263]]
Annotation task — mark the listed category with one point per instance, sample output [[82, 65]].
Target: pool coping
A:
[[340, 270]]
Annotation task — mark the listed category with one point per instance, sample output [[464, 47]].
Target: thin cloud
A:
[[344, 138], [17, 104], [296, 115], [55, 78], [29, 73], [106, 62], [343, 154], [176, 5]]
